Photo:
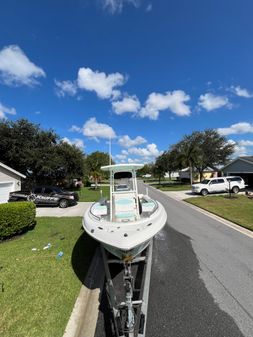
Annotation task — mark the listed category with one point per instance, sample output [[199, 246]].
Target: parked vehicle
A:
[[46, 195], [220, 184]]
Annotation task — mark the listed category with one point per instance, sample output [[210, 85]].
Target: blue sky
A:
[[141, 72]]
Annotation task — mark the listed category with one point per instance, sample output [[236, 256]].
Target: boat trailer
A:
[[129, 315]]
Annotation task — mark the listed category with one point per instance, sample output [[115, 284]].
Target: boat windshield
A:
[[122, 175], [205, 181]]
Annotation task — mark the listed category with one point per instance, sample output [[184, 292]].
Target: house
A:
[[172, 175], [241, 166], [10, 180], [184, 174]]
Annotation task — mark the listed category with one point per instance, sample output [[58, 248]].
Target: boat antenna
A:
[[110, 151]]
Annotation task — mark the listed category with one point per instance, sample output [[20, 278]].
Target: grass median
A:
[[238, 209], [38, 289]]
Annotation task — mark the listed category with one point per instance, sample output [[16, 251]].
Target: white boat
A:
[[126, 222]]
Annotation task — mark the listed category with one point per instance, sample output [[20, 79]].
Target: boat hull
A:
[[125, 240], [126, 255]]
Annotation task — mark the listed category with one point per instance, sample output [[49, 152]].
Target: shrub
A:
[[16, 218]]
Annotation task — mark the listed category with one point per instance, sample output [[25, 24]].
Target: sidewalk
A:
[[180, 195], [77, 210]]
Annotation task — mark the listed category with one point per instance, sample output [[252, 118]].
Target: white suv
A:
[[219, 184]]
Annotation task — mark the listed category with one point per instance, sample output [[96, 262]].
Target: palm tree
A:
[[188, 151]]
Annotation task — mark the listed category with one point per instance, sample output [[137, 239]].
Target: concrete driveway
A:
[[181, 195], [77, 210]]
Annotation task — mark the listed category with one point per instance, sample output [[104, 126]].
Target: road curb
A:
[[83, 319]]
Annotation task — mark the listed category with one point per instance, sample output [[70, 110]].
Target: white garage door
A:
[[5, 189]]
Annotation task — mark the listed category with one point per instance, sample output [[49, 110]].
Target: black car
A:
[[46, 196]]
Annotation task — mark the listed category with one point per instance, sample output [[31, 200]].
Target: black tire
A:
[[235, 189], [204, 192], [63, 203], [31, 197]]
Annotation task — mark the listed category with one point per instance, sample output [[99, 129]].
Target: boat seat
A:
[[99, 209], [124, 207], [148, 206]]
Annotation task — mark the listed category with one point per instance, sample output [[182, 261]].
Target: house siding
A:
[[238, 166], [8, 176]]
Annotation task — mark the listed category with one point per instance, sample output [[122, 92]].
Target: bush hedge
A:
[[16, 218]]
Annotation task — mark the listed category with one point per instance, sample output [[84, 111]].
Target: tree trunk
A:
[[190, 167]]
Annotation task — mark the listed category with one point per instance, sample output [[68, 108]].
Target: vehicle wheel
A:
[[204, 192], [63, 203], [235, 189], [31, 197]]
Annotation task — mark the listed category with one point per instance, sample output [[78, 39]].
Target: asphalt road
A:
[[201, 278]]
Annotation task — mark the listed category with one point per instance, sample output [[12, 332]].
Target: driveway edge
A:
[[83, 319]]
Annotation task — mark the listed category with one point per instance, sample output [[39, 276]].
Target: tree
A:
[[93, 163], [171, 163], [200, 150], [214, 150], [38, 153], [188, 151], [160, 167], [147, 169], [70, 163]]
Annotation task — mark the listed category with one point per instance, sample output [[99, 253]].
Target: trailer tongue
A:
[[129, 315]]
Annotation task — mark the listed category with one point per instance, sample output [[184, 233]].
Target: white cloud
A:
[[65, 88], [16, 69], [133, 161], [116, 6], [237, 128], [241, 92], [104, 85], [149, 7], [125, 152], [96, 130], [245, 142], [239, 150], [127, 104], [210, 102], [126, 141], [149, 151], [173, 101], [75, 128], [4, 110], [120, 157], [76, 141]]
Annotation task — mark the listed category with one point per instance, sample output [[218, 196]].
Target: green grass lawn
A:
[[172, 187], [238, 209], [38, 290], [88, 194]]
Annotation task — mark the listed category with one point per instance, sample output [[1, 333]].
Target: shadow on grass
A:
[[82, 254]]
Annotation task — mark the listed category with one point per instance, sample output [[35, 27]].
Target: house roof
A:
[[207, 169], [246, 159], [12, 170]]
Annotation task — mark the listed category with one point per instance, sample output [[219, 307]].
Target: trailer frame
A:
[[129, 316]]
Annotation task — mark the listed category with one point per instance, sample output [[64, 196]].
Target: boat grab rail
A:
[[95, 216], [155, 207]]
